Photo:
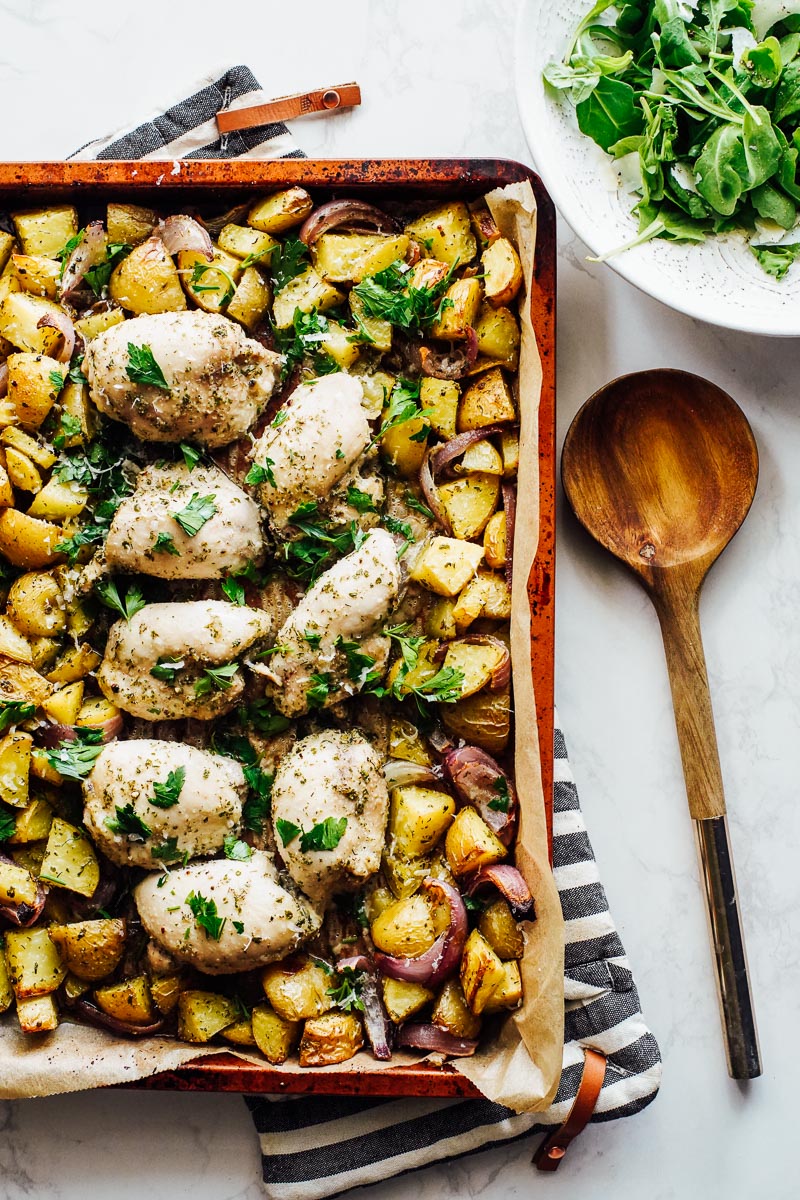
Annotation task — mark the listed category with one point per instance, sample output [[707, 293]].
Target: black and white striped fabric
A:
[[320, 1146]]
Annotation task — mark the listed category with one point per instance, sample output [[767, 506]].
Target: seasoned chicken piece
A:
[[186, 800], [334, 627], [152, 529], [331, 777], [358, 496], [323, 433], [261, 919], [217, 379], [179, 659]]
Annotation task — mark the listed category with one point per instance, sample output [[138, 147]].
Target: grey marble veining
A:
[[437, 79]]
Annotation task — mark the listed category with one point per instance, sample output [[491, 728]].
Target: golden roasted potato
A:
[[494, 541], [75, 662], [460, 312], [27, 541], [6, 490], [508, 993], [481, 457], [404, 875], [46, 230], [6, 250], [36, 605], [427, 273], [497, 331], [90, 949], [405, 929], [251, 299], [166, 991], [331, 1038], [337, 342], [481, 720], [130, 224], [469, 503], [97, 711], [12, 643], [33, 961], [246, 243], [21, 472], [17, 885], [476, 661], [64, 704], [418, 818], [502, 272], [485, 401], [439, 398], [424, 668], [440, 621], [30, 857], [37, 1015], [147, 281], [15, 765], [469, 605], [33, 823], [6, 990], [377, 387], [374, 328], [403, 446], [444, 565], [297, 992], [240, 1033], [445, 233], [19, 323], [59, 501], [37, 452], [376, 901], [405, 742], [274, 1036], [96, 323], [501, 931], [128, 1000], [451, 1012], [41, 769], [280, 211], [402, 1000], [339, 257], [70, 861], [471, 844], [19, 681], [390, 250], [201, 1015], [496, 596], [211, 285], [36, 274], [306, 291], [481, 971]]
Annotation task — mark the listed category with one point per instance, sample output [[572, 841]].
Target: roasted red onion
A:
[[93, 1015], [180, 232], [478, 780], [61, 322], [51, 735], [429, 491], [399, 773], [84, 908], [510, 883], [3, 379], [445, 364], [471, 338], [336, 213], [443, 957], [436, 1040], [509, 493], [444, 455], [377, 1025], [90, 251], [22, 914]]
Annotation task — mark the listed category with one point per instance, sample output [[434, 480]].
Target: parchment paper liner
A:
[[521, 1067]]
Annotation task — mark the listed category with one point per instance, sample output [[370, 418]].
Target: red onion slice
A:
[[429, 491], [435, 1040], [455, 447], [61, 322], [475, 777], [444, 956], [93, 1015], [180, 232], [51, 735], [471, 339], [399, 773], [336, 213], [90, 251], [3, 379], [22, 915], [377, 1025], [510, 883], [509, 493], [444, 364]]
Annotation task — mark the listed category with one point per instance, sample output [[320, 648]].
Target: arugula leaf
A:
[[289, 260], [236, 849], [361, 501], [14, 711], [259, 474], [287, 831], [191, 455], [324, 836], [205, 914], [346, 994], [165, 544], [776, 260], [167, 669], [610, 113], [127, 823], [502, 801], [167, 794], [143, 368], [8, 824], [75, 759], [128, 607], [318, 693], [193, 517], [215, 679]]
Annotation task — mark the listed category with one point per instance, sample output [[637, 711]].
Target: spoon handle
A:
[[678, 614]]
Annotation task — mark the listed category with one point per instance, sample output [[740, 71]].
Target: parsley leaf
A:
[[68, 427], [66, 250], [417, 506], [236, 849], [263, 717], [56, 379], [358, 663], [403, 406], [233, 590], [8, 824], [307, 556], [387, 295], [98, 276], [168, 852], [408, 644], [289, 260], [257, 805], [75, 759], [88, 536], [403, 529], [14, 711], [238, 926], [166, 795], [165, 544], [280, 416], [313, 639], [167, 668], [259, 474], [193, 517], [302, 339], [287, 831], [215, 679], [191, 455], [199, 270], [127, 823], [444, 686], [502, 801], [319, 691], [361, 501], [325, 836], [143, 368], [205, 914], [347, 993], [128, 607]]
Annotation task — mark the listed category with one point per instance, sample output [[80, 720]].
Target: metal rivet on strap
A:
[[331, 99]]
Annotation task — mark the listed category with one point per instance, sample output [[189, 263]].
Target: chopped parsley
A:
[[280, 416], [259, 474], [191, 455], [404, 406], [14, 711], [289, 260], [98, 276], [417, 506], [165, 544], [67, 249], [56, 380], [387, 295], [302, 340], [347, 993], [359, 664], [502, 801], [362, 336], [324, 836], [313, 639], [408, 644], [320, 544], [205, 914], [127, 823], [287, 831], [262, 716], [238, 926], [167, 668], [233, 590], [90, 535], [68, 428], [127, 606], [236, 849], [320, 689], [143, 368], [193, 517], [215, 679], [75, 759], [168, 852], [257, 805], [361, 501], [198, 287], [8, 824], [167, 794], [403, 529]]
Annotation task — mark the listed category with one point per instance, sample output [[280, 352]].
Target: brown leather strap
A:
[[553, 1148], [284, 108]]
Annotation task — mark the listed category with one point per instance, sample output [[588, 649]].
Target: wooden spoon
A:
[[661, 468]]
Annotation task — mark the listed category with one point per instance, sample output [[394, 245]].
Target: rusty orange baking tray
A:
[[220, 185]]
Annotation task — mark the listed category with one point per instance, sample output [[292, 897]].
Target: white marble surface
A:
[[437, 80]]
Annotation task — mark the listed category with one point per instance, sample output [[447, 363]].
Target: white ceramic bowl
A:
[[719, 280]]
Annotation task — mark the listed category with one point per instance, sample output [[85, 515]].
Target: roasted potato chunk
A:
[[469, 503], [403, 446], [19, 323], [497, 331], [374, 328], [21, 472], [461, 311], [439, 398], [147, 281], [405, 929], [508, 993], [37, 1015], [202, 1015], [70, 861], [306, 291], [240, 1033], [445, 233], [297, 990], [59, 501], [6, 990], [501, 931], [331, 1038], [64, 705], [33, 823], [96, 323], [451, 1012], [90, 949], [404, 875], [481, 972], [247, 243], [440, 620], [402, 1000], [28, 542], [36, 605], [481, 457], [494, 541], [341, 257], [405, 742], [12, 643], [502, 272], [15, 765], [250, 300], [445, 565], [36, 274], [166, 991], [34, 964], [476, 661], [46, 230], [211, 285], [130, 223], [274, 1036], [470, 843], [418, 818], [486, 400], [17, 886], [280, 211]]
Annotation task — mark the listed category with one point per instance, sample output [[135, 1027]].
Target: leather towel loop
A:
[[285, 108], [549, 1155]]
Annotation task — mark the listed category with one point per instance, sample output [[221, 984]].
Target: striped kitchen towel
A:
[[324, 1145]]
